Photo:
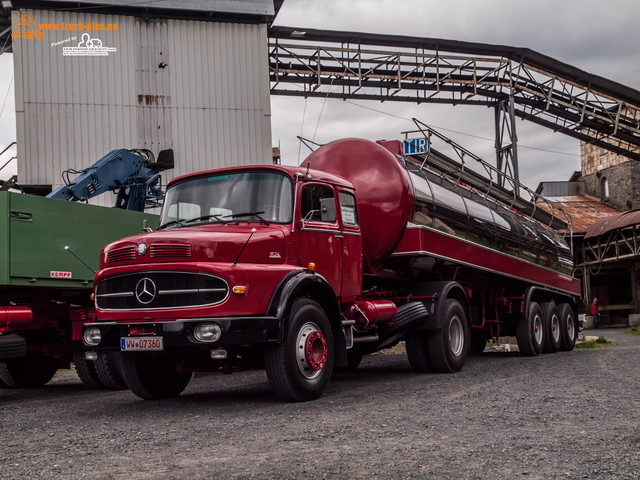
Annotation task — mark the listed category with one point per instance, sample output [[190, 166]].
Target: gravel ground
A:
[[567, 415]]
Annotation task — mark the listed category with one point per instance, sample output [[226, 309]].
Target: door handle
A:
[[339, 237]]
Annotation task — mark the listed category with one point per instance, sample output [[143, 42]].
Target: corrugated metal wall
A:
[[201, 88]]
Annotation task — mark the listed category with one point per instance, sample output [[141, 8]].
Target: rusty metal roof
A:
[[584, 210], [613, 222]]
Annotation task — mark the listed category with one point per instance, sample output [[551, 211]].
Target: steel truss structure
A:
[[616, 245], [518, 82]]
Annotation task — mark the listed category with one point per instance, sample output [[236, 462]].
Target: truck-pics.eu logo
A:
[[25, 27]]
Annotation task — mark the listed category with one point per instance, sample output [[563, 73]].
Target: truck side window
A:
[[348, 209], [310, 202]]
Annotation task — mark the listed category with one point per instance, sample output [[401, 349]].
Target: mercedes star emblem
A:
[[145, 290]]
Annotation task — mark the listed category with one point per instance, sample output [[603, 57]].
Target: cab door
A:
[[351, 245], [320, 237]]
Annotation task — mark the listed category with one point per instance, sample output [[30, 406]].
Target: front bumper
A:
[[179, 333]]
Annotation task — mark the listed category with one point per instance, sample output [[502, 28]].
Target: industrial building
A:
[[93, 76]]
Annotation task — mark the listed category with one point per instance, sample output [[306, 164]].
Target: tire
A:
[[478, 344], [109, 370], [530, 331], [86, 370], [31, 371], [417, 353], [448, 347], [300, 368], [153, 376], [568, 327], [551, 321]]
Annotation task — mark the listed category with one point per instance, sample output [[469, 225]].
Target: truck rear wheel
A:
[[299, 368], [551, 322], [449, 346], [530, 331], [153, 376], [86, 370], [568, 327], [417, 353], [109, 370], [444, 350], [31, 371]]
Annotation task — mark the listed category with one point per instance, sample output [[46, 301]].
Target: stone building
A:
[[612, 177]]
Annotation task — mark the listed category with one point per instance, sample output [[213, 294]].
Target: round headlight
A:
[[207, 332], [92, 336]]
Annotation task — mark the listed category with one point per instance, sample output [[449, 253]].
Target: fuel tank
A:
[[383, 189]]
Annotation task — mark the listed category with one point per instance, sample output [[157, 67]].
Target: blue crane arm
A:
[[134, 178]]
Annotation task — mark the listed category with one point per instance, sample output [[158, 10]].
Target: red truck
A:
[[302, 270]]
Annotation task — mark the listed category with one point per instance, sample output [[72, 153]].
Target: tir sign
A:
[[413, 146]]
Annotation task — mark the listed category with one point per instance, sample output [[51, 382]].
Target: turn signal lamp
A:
[[312, 267], [239, 290]]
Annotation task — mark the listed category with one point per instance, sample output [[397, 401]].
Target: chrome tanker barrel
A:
[[393, 191]]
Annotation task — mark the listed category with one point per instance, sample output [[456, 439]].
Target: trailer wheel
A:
[[530, 331], [299, 368], [31, 371], [568, 327], [153, 376], [551, 321], [86, 370], [418, 354], [109, 370]]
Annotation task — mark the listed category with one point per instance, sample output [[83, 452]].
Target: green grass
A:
[[633, 331], [600, 342]]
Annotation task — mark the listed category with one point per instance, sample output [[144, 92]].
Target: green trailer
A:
[[45, 290]]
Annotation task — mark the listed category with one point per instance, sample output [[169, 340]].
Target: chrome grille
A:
[[121, 254], [160, 290], [170, 250]]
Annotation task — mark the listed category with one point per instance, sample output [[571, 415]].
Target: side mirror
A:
[[328, 210]]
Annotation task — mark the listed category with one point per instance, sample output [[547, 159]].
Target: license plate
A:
[[132, 344]]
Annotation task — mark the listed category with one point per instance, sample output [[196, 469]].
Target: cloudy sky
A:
[[593, 35], [597, 36]]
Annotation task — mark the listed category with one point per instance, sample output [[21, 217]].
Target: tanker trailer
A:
[[303, 269]]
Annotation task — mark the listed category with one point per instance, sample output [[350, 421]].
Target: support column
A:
[[506, 144]]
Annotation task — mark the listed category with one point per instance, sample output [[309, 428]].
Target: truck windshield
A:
[[248, 196]]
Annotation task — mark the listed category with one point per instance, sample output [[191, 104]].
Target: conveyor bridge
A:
[[518, 82]]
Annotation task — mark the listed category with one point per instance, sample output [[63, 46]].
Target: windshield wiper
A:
[[177, 220], [206, 217], [248, 214]]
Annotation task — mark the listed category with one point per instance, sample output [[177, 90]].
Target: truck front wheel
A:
[[31, 371], [153, 376], [299, 369]]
